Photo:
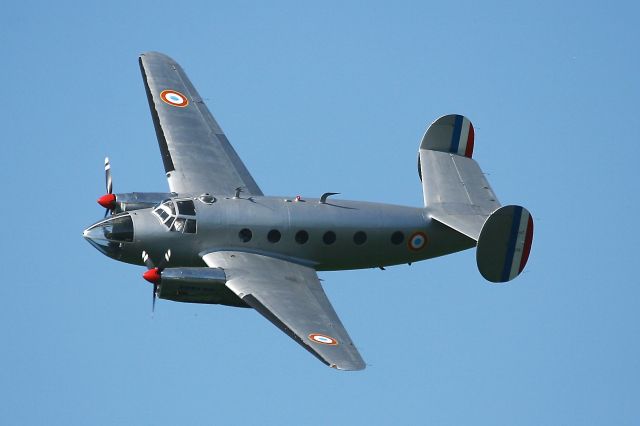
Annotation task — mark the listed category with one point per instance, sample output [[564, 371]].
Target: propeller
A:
[[108, 201], [153, 274]]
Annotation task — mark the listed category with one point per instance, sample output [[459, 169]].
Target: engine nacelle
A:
[[129, 201], [197, 285]]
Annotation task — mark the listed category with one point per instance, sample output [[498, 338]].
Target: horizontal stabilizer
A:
[[456, 191], [504, 244]]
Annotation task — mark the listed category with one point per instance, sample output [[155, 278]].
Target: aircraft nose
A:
[[93, 233], [108, 236]]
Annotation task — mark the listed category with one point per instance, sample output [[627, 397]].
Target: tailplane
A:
[[457, 194]]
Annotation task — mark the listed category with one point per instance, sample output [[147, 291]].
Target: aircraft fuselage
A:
[[334, 235]]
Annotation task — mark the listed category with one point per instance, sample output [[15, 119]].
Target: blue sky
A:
[[330, 96]]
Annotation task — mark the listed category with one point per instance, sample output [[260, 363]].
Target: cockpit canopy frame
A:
[[177, 215]]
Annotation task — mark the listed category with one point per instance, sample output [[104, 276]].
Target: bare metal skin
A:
[[215, 238], [219, 225]]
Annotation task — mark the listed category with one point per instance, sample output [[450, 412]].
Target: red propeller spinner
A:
[[108, 201], [152, 275]]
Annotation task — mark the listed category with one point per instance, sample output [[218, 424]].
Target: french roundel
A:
[[417, 241], [323, 339], [174, 98]]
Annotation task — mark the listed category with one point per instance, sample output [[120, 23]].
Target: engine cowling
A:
[[129, 201], [197, 285]]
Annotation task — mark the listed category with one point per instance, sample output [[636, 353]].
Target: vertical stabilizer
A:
[[504, 244]]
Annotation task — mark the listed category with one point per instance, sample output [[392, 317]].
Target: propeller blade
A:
[[163, 263], [107, 173], [151, 265], [108, 200], [155, 291], [147, 260]]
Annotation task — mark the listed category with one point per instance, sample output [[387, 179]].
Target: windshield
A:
[[181, 219]]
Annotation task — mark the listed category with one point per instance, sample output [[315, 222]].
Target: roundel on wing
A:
[[323, 339], [174, 98]]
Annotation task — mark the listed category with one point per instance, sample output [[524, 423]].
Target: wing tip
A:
[[157, 55], [349, 367]]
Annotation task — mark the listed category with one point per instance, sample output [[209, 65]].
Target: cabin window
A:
[[329, 237], [302, 237], [359, 238], [245, 235], [274, 236], [397, 237]]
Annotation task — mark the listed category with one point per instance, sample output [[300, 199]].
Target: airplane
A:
[[215, 238]]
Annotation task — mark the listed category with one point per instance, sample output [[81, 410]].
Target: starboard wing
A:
[[197, 155], [291, 297]]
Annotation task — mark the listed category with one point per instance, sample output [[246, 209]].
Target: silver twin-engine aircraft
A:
[[216, 238]]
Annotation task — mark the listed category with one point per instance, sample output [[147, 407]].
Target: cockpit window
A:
[[186, 207], [177, 220], [163, 214], [178, 225], [170, 222], [169, 205], [190, 227]]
